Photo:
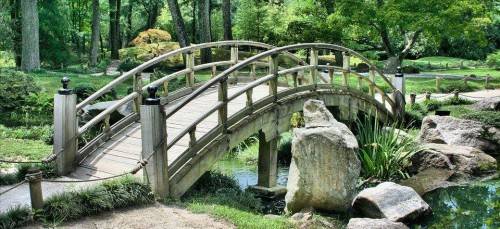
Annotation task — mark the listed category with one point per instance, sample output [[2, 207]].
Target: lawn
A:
[[22, 150]]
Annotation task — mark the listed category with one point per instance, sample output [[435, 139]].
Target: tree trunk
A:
[[96, 30], [30, 38], [153, 15], [114, 22], [226, 18], [16, 30], [392, 63], [204, 20], [129, 21], [179, 23], [194, 25]]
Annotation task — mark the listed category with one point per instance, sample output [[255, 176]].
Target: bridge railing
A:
[[178, 167], [135, 97]]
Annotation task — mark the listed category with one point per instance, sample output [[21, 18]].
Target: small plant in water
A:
[[384, 152]]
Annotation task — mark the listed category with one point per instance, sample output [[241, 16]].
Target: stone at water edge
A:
[[325, 167], [367, 223], [455, 131], [392, 201]]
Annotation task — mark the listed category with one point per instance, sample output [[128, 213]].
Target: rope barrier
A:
[[13, 187]]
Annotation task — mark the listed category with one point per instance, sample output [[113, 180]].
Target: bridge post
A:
[[273, 83], [399, 94], [314, 70], [154, 147], [222, 93], [138, 88], [234, 60], [346, 68], [190, 65], [65, 129], [268, 168], [372, 78]]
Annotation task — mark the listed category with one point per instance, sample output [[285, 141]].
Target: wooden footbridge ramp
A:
[[182, 133]]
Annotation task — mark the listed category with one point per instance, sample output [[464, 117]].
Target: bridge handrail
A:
[[165, 56], [225, 74]]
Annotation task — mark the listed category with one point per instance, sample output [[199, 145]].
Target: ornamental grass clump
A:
[[384, 152]]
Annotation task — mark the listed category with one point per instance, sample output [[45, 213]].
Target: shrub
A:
[[15, 89], [457, 101], [383, 153], [326, 59], [109, 195], [451, 86], [413, 118], [211, 182], [409, 69], [432, 105], [151, 36], [363, 67], [128, 64], [493, 60], [491, 118], [15, 217]]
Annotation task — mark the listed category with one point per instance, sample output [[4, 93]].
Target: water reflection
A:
[[246, 175]]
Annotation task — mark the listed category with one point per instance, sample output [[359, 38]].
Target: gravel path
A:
[[150, 217]]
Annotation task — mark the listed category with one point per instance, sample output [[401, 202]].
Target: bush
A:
[[363, 67], [457, 101], [211, 182], [15, 217], [151, 36], [409, 69], [491, 118], [383, 153], [493, 60], [451, 86], [15, 90], [109, 195], [432, 105], [128, 64], [413, 119]]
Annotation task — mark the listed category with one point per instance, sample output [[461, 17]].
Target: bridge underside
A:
[[187, 163]]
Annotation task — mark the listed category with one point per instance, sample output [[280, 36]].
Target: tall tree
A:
[[30, 59], [16, 30], [180, 29], [397, 25], [96, 30], [226, 17], [205, 31], [114, 27], [152, 9]]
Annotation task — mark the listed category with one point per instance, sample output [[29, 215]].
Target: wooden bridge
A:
[[182, 133]]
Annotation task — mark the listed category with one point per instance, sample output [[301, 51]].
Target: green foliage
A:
[[128, 64], [493, 60], [383, 153], [487, 117], [210, 183], [15, 217], [43, 133], [414, 114], [432, 105], [151, 36], [457, 85], [456, 101], [15, 89], [408, 69], [48, 170], [109, 195]]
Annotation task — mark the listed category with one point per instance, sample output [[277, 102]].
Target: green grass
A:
[[23, 149], [481, 72]]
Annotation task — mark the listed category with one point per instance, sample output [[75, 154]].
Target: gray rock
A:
[[454, 131], [465, 161], [325, 167], [92, 110], [429, 179], [368, 223], [492, 104], [392, 201]]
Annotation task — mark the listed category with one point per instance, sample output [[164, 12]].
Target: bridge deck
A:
[[121, 153]]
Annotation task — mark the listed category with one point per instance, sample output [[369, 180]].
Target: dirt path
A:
[[150, 217]]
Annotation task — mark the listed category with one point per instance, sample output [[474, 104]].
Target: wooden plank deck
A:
[[122, 152]]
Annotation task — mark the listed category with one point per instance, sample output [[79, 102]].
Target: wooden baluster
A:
[[314, 70], [222, 91], [273, 83], [138, 88], [192, 136], [214, 71], [295, 76], [249, 100], [234, 60], [330, 73], [346, 69], [165, 88], [253, 74], [190, 65], [372, 79], [107, 127]]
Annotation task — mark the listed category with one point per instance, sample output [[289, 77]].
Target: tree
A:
[[152, 8], [16, 30], [205, 33], [226, 17], [180, 29], [396, 26], [96, 30], [114, 27], [30, 59]]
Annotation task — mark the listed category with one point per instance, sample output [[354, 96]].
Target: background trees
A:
[[88, 31]]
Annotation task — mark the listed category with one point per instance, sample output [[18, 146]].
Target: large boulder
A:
[[368, 223], [487, 104], [465, 161], [325, 167], [455, 131], [392, 201], [90, 111]]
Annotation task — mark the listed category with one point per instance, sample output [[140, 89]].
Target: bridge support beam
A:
[[268, 168], [154, 145], [65, 129]]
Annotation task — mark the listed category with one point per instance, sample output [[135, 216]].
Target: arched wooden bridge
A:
[[204, 120]]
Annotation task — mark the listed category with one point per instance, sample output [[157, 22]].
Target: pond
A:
[[476, 205]]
